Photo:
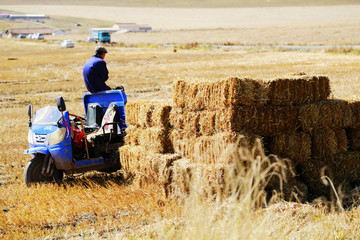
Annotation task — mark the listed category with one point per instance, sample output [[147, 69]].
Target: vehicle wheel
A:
[[32, 172]]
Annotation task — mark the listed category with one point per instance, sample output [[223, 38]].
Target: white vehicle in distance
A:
[[67, 44], [38, 36]]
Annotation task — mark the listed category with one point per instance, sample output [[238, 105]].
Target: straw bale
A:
[[130, 158], [209, 177], [199, 122], [181, 176], [207, 123], [289, 90], [219, 148], [333, 114], [132, 110], [156, 169], [328, 142], [296, 146], [342, 169], [147, 113], [281, 172], [347, 167], [186, 121], [200, 95], [298, 89], [203, 149], [161, 115], [132, 135], [355, 113], [353, 135], [312, 172], [264, 121], [155, 140]]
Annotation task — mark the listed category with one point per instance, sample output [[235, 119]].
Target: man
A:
[[95, 72]]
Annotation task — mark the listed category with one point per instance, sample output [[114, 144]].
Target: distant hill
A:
[[186, 3]]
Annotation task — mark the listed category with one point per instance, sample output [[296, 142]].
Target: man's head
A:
[[100, 51]]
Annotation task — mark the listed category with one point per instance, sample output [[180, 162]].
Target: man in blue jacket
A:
[[95, 72]]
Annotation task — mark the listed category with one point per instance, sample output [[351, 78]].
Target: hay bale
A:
[[295, 146], [207, 123], [203, 149], [211, 95], [145, 113], [161, 115], [342, 169], [132, 135], [155, 140], [186, 121], [199, 122], [132, 111], [181, 177], [207, 178], [312, 172], [264, 121], [293, 90], [332, 114], [221, 148], [152, 139], [156, 169], [353, 135], [355, 113], [328, 142], [130, 158], [347, 167]]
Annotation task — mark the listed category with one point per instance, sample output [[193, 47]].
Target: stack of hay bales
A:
[[207, 116], [292, 116], [148, 153]]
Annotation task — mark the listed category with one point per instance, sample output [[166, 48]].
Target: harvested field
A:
[[99, 205]]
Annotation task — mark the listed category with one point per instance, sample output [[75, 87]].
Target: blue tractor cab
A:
[[61, 142]]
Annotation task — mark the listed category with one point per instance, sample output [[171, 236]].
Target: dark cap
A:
[[100, 50]]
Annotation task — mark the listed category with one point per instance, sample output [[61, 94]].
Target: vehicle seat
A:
[[109, 127], [94, 117]]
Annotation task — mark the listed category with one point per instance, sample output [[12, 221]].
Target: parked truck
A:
[[101, 36]]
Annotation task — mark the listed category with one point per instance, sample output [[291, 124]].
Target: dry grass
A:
[[108, 206]]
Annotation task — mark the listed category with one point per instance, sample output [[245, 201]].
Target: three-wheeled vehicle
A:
[[61, 142]]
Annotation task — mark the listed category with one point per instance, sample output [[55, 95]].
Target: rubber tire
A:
[[32, 172]]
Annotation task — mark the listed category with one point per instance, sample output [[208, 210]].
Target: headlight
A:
[[57, 136], [31, 137]]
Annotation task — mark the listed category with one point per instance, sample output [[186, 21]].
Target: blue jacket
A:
[[95, 74]]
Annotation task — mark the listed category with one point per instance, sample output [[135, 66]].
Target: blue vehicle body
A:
[[53, 142], [101, 36]]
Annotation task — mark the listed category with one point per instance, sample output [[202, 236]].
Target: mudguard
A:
[[34, 150]]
